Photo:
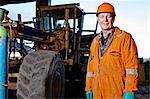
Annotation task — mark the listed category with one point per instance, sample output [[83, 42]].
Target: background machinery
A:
[[55, 66]]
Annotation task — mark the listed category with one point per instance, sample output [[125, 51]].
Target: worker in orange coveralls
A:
[[112, 70]]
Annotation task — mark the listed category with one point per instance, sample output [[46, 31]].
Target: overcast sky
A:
[[132, 16]]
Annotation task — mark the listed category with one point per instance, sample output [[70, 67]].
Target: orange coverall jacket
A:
[[115, 72]]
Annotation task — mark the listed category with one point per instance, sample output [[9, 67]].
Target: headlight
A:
[[14, 24]]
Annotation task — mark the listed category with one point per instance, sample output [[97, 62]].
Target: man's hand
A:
[[89, 94], [128, 95]]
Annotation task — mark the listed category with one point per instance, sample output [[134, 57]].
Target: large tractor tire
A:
[[41, 76]]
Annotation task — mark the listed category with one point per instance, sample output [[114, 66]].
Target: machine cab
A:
[[62, 25]]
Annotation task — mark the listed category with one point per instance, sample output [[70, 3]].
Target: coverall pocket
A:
[[115, 53]]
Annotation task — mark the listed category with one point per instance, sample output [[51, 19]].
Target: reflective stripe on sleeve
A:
[[132, 71], [90, 74]]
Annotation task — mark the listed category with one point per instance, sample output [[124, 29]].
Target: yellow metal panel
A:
[[12, 85], [57, 7], [12, 74]]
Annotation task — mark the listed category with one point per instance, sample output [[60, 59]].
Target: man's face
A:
[[106, 20]]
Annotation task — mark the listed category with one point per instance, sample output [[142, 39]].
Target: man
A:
[[112, 65]]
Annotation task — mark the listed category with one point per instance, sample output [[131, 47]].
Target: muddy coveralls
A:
[[114, 72]]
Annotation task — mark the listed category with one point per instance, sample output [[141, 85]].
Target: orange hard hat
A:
[[105, 7]]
